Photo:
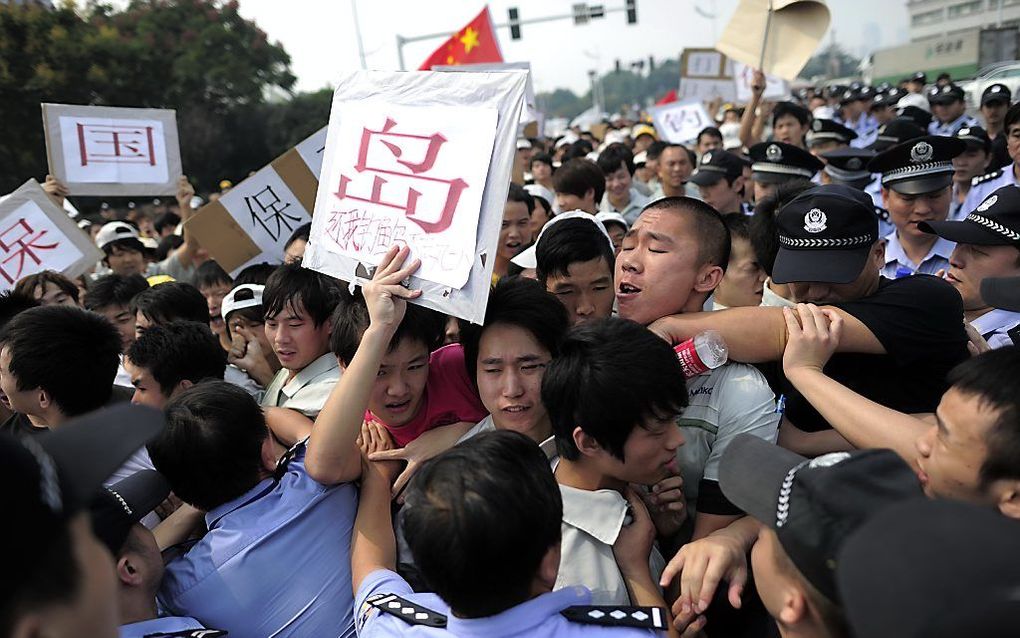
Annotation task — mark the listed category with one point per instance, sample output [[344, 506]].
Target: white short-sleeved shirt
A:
[[732, 399], [983, 186], [308, 390], [898, 264], [995, 326]]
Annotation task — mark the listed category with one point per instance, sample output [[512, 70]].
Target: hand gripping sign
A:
[[418, 159], [36, 235], [100, 150]]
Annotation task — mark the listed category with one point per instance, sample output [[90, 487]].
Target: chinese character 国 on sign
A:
[[118, 151], [411, 175]]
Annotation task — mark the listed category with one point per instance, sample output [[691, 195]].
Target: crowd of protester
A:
[[304, 458]]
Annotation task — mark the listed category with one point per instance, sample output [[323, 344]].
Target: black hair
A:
[[692, 157], [11, 305], [166, 246], [351, 319], [739, 226], [708, 225], [522, 303], [126, 243], [1012, 116], [70, 353], [209, 274], [55, 578], [577, 176], [994, 378], [655, 149], [211, 448], [764, 231], [546, 205], [252, 314], [490, 501], [291, 284], [709, 130], [179, 351], [570, 241], [518, 194], [168, 219], [577, 150], [30, 284], [304, 231], [255, 274], [613, 157], [608, 390], [171, 301], [114, 290], [545, 158]]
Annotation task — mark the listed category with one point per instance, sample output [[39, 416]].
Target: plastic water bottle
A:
[[706, 351]]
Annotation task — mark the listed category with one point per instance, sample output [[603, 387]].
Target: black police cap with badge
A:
[[919, 166], [825, 234], [825, 130], [898, 130], [946, 94], [996, 93], [849, 166], [715, 165], [995, 222], [888, 98], [974, 137], [920, 116], [777, 162], [814, 505]]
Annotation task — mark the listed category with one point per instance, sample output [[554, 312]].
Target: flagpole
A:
[[357, 33], [765, 38]]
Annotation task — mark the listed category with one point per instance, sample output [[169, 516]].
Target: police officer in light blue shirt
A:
[[917, 178], [275, 561], [987, 184], [949, 106]]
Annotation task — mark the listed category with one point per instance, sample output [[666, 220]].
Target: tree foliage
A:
[[199, 57], [620, 89]]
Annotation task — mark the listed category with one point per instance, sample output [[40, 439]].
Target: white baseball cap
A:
[[113, 231], [608, 216], [231, 303], [537, 190], [527, 258]]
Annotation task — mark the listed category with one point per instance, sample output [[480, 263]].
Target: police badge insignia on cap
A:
[[922, 152], [814, 221], [854, 164], [816, 125], [988, 203], [963, 131], [707, 158], [773, 153]]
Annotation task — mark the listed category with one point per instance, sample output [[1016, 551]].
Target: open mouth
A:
[[215, 319], [398, 406], [513, 245], [627, 288], [516, 409]]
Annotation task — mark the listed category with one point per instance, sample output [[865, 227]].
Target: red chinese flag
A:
[[473, 44]]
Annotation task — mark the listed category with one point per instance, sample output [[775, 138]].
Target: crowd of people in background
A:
[[313, 459]]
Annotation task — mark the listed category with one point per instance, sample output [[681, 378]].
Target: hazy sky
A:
[[320, 36]]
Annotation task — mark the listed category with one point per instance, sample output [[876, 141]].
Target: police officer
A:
[[855, 106], [916, 180], [995, 101], [116, 512], [849, 166], [828, 135], [969, 164], [987, 245], [950, 110], [720, 181], [982, 187], [773, 163], [899, 130]]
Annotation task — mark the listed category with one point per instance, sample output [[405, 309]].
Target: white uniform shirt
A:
[[898, 264], [308, 390], [995, 325], [982, 187]]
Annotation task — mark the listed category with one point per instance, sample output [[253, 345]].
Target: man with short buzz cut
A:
[[917, 178], [672, 259], [172, 357], [987, 245], [57, 362], [579, 185], [1008, 175], [676, 163]]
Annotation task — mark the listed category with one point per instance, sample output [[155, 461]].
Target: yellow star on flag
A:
[[469, 39]]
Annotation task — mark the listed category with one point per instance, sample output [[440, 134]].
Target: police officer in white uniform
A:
[[949, 106], [985, 185]]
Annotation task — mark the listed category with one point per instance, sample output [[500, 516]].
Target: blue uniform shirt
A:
[[949, 129], [275, 562], [982, 187], [897, 264], [536, 618], [160, 626]]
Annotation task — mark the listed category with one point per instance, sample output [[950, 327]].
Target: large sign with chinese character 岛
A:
[[251, 223], [423, 160], [100, 150], [36, 235], [530, 111]]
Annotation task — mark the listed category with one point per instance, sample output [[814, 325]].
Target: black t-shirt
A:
[[919, 322], [999, 155], [19, 426]]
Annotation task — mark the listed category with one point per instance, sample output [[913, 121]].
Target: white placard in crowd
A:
[[680, 122], [36, 235], [776, 88], [311, 150], [420, 159], [530, 111], [98, 150], [705, 74]]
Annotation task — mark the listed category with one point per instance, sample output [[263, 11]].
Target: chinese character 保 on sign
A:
[[19, 242], [411, 176]]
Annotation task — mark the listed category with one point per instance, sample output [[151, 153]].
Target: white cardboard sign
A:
[[311, 150], [420, 159], [776, 88], [680, 122]]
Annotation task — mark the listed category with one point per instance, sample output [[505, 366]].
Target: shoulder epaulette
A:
[[882, 213], [189, 633], [615, 616], [409, 612], [984, 178]]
